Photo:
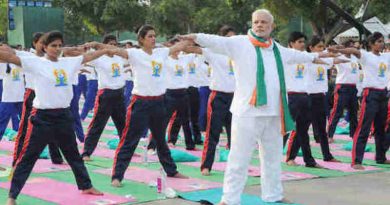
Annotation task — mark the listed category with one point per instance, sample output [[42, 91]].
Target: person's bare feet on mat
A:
[[291, 163], [92, 191], [11, 201], [205, 172], [179, 176], [358, 167], [87, 159], [2, 169], [116, 183]]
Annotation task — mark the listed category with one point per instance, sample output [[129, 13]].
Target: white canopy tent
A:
[[373, 24]]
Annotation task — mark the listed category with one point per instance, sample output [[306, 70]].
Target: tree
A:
[[325, 22], [3, 20]]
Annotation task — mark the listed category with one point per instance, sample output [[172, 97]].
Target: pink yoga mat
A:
[[255, 171], [347, 138], [108, 153], [65, 193], [337, 166], [41, 166], [332, 146], [110, 136], [367, 155], [7, 146], [150, 176]]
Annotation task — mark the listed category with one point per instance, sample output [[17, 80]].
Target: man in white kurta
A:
[[254, 125]]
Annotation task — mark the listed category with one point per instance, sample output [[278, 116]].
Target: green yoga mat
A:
[[213, 196], [142, 192], [10, 134], [349, 145], [23, 199], [342, 130]]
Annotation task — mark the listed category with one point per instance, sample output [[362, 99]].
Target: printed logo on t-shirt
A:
[[209, 69], [361, 76], [299, 71], [61, 78], [115, 68], [320, 73], [382, 70], [354, 67], [231, 66], [191, 68], [179, 70], [15, 74], [156, 69]]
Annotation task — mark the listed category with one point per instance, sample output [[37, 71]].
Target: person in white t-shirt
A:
[[345, 94], [92, 88], [29, 95], [109, 100], [176, 101], [374, 103], [146, 109], [51, 116], [12, 96], [316, 85]]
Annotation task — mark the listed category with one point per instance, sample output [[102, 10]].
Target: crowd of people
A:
[[262, 93]]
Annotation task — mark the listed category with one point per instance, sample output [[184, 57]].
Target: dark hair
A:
[[36, 37], [349, 43], [109, 37], [52, 36], [296, 35], [142, 31], [129, 43], [224, 30], [313, 42], [373, 38]]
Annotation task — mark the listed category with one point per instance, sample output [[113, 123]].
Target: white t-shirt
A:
[[148, 71], [93, 74], [203, 75], [13, 85], [359, 84], [296, 77], [176, 75], [317, 77], [109, 71], [193, 63], [375, 69], [52, 80], [222, 71], [243, 53], [28, 78], [348, 73]]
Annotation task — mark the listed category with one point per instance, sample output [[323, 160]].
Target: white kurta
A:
[[251, 125]]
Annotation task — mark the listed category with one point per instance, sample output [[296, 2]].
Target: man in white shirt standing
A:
[[258, 99]]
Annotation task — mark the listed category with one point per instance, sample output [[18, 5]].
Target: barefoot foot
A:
[[87, 159], [291, 163], [205, 172], [116, 183], [358, 167], [179, 176], [92, 191]]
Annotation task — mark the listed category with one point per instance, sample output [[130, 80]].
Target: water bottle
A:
[[145, 155], [161, 184], [216, 156]]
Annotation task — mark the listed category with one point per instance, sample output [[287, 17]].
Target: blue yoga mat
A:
[[213, 196]]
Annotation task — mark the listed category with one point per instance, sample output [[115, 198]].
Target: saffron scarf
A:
[[259, 96]]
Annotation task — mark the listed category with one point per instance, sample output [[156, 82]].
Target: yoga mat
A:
[[332, 146], [336, 166], [41, 166], [197, 153], [347, 138], [213, 196], [255, 171], [142, 192], [108, 153], [110, 136], [150, 176], [7, 145], [54, 191], [23, 199], [367, 155]]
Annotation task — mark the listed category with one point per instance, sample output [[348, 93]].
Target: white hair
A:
[[264, 11]]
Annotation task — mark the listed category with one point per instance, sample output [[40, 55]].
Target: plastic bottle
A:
[[161, 184]]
